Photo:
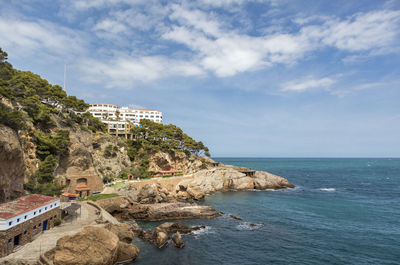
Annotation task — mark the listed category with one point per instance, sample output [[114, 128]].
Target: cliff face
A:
[[12, 164], [178, 161]]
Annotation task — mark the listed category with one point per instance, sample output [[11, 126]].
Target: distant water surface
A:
[[343, 211]]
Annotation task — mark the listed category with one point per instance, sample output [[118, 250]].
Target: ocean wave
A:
[[327, 189], [249, 226], [203, 231]]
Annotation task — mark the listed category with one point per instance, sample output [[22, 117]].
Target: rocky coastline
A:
[[109, 239]]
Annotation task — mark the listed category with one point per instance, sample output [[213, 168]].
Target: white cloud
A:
[[364, 31], [22, 38], [127, 71], [305, 84]]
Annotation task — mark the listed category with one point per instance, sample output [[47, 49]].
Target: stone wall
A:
[[26, 231]]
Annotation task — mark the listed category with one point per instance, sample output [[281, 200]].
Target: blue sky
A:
[[248, 78]]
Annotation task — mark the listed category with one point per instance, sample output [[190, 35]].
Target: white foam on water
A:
[[249, 226], [327, 189], [203, 231]]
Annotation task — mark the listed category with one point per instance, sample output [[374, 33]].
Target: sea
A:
[[342, 211]]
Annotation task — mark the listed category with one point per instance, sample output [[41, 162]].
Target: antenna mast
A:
[[65, 75]]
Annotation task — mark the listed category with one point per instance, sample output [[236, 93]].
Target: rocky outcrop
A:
[[168, 211], [95, 246], [110, 155], [12, 165], [161, 234], [178, 241], [225, 179], [154, 193], [122, 230], [178, 161]]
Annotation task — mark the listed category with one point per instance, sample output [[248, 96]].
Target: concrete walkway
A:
[[47, 240]]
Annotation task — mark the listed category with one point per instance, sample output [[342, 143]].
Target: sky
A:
[[274, 78]]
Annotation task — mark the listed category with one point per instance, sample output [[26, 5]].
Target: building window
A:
[[9, 241], [51, 218], [10, 223], [45, 208], [34, 213], [39, 225], [18, 220], [25, 217], [40, 210], [51, 206], [55, 216]]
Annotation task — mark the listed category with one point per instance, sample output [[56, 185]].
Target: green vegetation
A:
[[98, 197], [153, 137], [118, 184], [57, 222], [39, 102], [26, 101]]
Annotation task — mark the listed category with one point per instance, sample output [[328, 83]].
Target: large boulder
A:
[[122, 230], [93, 245], [161, 237], [264, 180], [126, 252]]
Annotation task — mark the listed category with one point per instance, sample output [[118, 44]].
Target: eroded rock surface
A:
[[94, 246], [225, 179], [12, 165]]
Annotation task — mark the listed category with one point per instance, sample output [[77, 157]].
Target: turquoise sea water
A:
[[343, 211]]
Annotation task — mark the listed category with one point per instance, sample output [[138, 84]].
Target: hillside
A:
[[47, 138]]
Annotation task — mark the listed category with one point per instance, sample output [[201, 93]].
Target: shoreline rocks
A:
[[161, 234], [94, 245]]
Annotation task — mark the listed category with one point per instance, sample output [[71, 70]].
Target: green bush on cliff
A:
[[43, 181], [11, 118], [154, 137], [57, 144]]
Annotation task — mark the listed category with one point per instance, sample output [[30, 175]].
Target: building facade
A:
[[22, 219], [120, 120]]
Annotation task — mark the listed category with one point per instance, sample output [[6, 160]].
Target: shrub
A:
[[57, 222]]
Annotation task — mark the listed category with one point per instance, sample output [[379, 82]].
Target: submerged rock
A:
[[236, 218]]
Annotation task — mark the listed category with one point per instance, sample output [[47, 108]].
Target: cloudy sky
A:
[[249, 78]]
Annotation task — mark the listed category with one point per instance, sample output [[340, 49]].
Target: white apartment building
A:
[[109, 112]]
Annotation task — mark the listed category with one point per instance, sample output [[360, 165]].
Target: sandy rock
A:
[[161, 237], [126, 252], [265, 180], [122, 230], [178, 241], [94, 246]]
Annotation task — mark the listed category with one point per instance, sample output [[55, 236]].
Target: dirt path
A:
[[48, 239]]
